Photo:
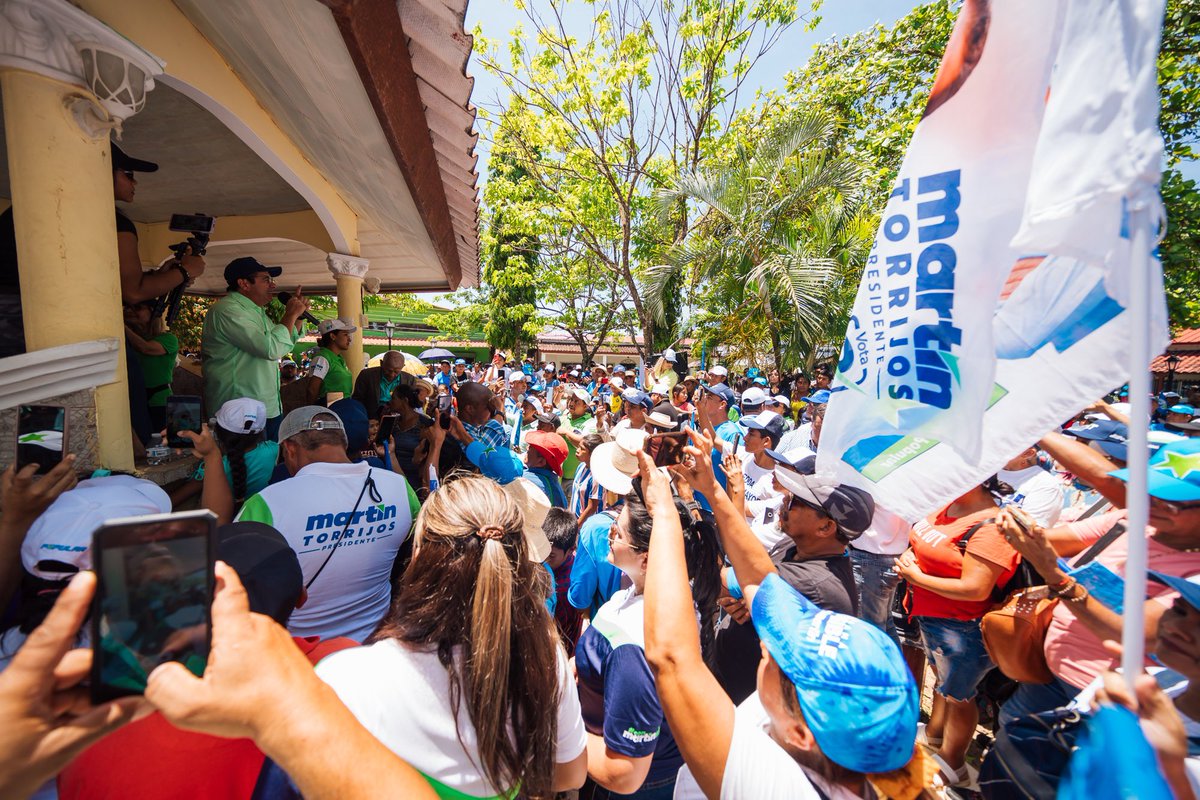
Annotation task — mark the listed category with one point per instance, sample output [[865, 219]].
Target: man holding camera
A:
[[136, 285], [242, 346]]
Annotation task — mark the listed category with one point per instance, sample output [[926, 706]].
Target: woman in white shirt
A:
[[465, 678]]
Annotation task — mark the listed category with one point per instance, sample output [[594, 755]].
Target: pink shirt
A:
[[1072, 651]]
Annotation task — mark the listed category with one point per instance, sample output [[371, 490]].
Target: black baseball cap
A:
[[266, 564], [248, 267], [127, 163], [850, 507]]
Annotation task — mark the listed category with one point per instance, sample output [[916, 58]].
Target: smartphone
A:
[[154, 591], [444, 419], [737, 440], [41, 436], [183, 414], [192, 223], [445, 402], [386, 425], [666, 448]]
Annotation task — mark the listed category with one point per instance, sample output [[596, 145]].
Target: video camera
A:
[[200, 226]]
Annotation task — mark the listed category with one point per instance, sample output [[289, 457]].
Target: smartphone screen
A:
[[183, 414], [666, 448], [386, 426], [153, 597], [445, 402], [41, 436]]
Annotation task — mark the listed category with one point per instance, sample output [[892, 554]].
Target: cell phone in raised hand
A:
[[183, 414], [154, 590]]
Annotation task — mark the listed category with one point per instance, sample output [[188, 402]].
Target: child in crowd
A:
[[563, 532], [587, 496]]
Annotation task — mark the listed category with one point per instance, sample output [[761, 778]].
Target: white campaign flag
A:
[[965, 347]]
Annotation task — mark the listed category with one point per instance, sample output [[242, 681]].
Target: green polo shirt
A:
[[334, 374], [242, 348]]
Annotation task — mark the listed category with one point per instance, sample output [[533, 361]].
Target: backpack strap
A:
[[962, 542], [1104, 541]]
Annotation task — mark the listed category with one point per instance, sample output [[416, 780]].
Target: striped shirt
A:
[[583, 489]]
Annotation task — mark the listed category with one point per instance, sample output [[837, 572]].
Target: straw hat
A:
[[615, 463], [659, 420], [534, 506]]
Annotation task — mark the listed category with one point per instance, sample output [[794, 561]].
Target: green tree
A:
[[599, 120], [782, 230]]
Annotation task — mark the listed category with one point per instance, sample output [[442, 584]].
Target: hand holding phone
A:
[[183, 414], [386, 425], [152, 605]]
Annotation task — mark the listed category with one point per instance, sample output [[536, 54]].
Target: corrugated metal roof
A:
[[439, 47]]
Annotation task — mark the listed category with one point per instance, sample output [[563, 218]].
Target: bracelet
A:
[[1060, 589], [187, 276]]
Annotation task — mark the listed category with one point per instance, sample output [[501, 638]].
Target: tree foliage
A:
[[607, 100]]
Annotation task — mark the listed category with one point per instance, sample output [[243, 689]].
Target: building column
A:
[[349, 272], [60, 175]]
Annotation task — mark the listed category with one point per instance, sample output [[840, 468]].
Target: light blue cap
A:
[[856, 693], [1174, 472]]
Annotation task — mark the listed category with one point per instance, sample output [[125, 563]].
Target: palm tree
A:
[[786, 221]]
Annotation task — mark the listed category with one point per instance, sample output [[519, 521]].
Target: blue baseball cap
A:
[[819, 396], [1174, 473], [459, 361], [638, 398], [855, 691], [1182, 408], [761, 381], [722, 391], [1188, 588]]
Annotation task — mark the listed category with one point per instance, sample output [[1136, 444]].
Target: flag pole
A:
[[1133, 634]]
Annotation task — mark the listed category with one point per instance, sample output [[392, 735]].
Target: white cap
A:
[[64, 530], [537, 404], [659, 388], [581, 394], [781, 400], [718, 370], [754, 396], [616, 381], [243, 415], [336, 324], [668, 354]]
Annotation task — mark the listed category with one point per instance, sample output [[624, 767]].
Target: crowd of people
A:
[[533, 580]]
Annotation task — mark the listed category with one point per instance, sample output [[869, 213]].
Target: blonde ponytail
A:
[[491, 641]]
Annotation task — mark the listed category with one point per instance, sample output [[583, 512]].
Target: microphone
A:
[[284, 297]]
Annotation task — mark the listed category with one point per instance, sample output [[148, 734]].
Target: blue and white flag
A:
[[964, 346]]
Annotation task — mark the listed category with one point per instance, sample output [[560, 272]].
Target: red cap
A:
[[552, 447]]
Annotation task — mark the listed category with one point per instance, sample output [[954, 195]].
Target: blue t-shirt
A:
[[593, 579], [617, 693]]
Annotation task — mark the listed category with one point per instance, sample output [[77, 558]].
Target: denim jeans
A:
[[876, 577]]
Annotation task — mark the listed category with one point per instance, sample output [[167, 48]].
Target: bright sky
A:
[[497, 18]]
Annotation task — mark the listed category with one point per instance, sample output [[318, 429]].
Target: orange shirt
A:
[[935, 544]]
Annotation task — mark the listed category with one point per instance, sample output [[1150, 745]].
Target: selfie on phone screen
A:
[[155, 579], [183, 414]]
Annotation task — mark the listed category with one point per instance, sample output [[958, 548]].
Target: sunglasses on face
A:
[[1174, 507]]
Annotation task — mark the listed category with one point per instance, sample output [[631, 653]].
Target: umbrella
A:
[[412, 364], [436, 354]]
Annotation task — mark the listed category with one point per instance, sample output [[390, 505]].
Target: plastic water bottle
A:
[[433, 479]]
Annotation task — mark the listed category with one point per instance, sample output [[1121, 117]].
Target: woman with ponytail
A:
[[248, 457], [631, 750], [465, 678]]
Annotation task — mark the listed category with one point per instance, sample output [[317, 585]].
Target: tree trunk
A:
[[773, 327]]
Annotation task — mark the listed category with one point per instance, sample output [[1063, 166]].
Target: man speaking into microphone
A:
[[242, 346]]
